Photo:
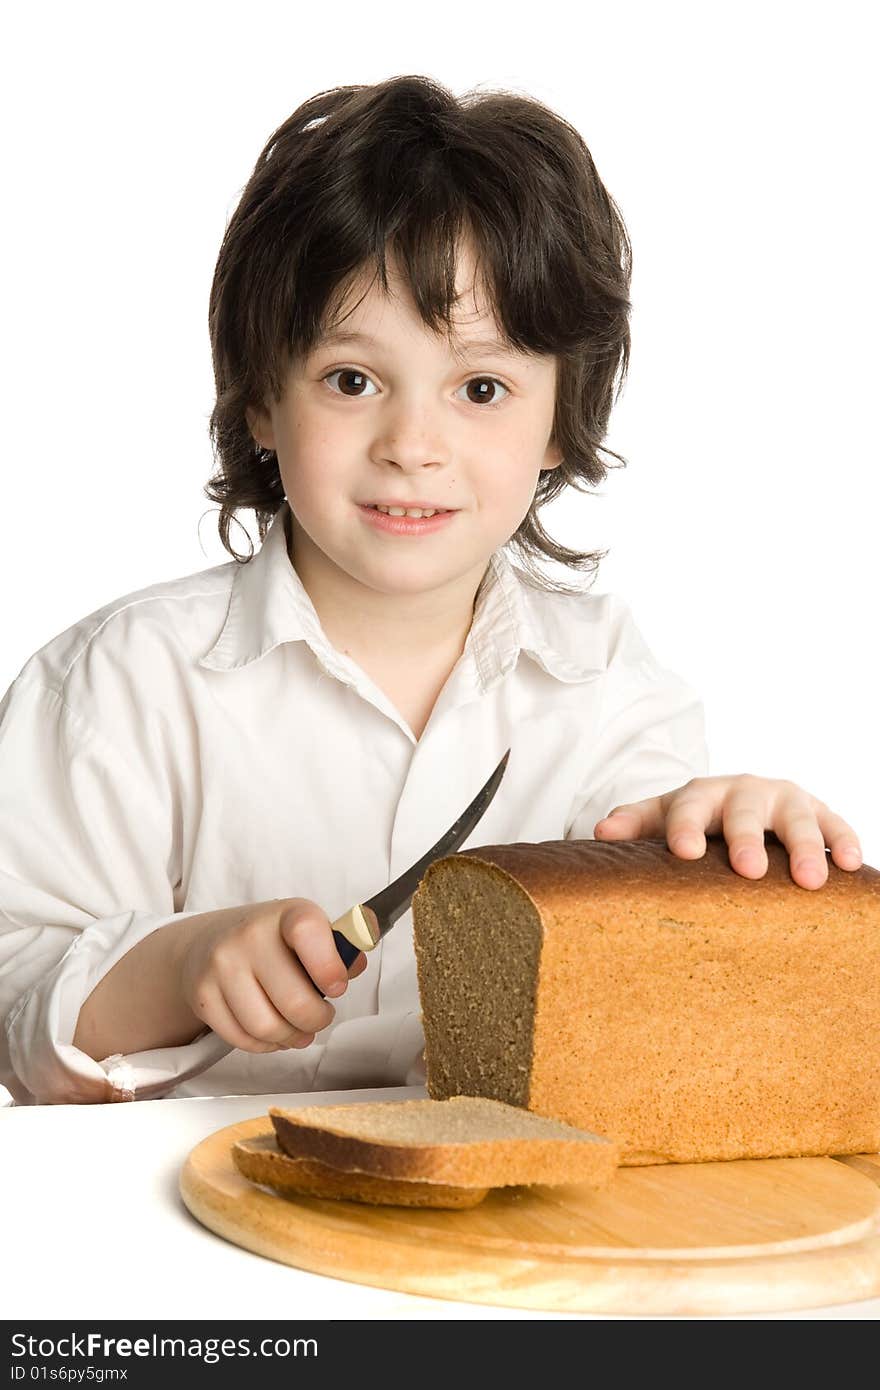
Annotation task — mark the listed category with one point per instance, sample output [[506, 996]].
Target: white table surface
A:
[[93, 1225]]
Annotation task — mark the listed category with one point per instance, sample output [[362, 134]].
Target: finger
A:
[[311, 939], [215, 1011], [804, 825], [799, 831], [291, 991], [637, 820], [842, 839], [692, 813], [747, 812], [255, 1012]]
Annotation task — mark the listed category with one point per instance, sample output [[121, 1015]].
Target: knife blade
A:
[[364, 925]]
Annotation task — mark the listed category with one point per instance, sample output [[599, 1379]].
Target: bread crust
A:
[[322, 1133], [565, 872], [260, 1160]]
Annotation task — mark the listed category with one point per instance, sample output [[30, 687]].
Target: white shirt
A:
[[200, 744]]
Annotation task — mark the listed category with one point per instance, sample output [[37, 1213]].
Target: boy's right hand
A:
[[255, 974]]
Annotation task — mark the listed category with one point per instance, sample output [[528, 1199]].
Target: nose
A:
[[411, 437]]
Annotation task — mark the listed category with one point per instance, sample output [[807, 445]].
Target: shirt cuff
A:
[[40, 1028], [151, 1075]]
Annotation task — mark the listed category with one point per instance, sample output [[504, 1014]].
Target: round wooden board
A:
[[682, 1239]]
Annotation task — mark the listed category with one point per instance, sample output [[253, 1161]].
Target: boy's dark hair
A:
[[405, 163]]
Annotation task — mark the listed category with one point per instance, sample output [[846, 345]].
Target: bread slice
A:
[[465, 1141], [261, 1160]]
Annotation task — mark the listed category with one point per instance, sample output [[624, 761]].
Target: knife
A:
[[364, 925]]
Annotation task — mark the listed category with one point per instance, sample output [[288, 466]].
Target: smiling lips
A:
[[415, 509], [405, 522]]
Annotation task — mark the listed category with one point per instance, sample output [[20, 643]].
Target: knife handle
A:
[[355, 931], [347, 949]]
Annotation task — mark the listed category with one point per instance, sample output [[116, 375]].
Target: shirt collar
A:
[[268, 605]]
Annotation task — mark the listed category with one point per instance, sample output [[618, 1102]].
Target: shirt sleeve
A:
[[651, 732], [85, 860]]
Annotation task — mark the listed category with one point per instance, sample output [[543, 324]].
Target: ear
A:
[[553, 457], [260, 425]]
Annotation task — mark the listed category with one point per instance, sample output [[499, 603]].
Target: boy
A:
[[420, 306]]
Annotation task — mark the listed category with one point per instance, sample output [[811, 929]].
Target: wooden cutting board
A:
[[707, 1238]]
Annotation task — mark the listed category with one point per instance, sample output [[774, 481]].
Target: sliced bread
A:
[[261, 1160], [465, 1141]]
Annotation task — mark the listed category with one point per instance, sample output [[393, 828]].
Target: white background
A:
[[740, 145]]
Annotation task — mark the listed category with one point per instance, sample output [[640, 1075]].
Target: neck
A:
[[395, 629]]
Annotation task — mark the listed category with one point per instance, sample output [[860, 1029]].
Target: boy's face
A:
[[398, 416]]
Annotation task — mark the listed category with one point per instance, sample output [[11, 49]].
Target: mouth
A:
[[412, 521], [425, 509]]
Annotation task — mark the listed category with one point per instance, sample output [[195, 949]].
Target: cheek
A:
[[314, 476], [329, 437], [308, 452]]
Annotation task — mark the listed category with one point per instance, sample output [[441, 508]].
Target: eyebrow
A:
[[472, 345]]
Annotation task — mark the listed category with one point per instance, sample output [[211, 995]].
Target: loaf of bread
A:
[[260, 1160], [672, 1005], [461, 1141]]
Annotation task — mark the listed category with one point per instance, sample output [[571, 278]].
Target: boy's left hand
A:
[[741, 808]]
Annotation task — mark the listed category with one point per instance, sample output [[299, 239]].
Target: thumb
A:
[[617, 825], [637, 820]]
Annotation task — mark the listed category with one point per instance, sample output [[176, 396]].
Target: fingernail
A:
[[337, 988], [851, 854], [684, 842], [750, 855], [811, 867]]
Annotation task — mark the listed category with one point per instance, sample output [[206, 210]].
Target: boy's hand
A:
[[255, 974], [741, 808]]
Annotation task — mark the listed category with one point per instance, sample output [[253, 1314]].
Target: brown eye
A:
[[484, 390], [353, 379]]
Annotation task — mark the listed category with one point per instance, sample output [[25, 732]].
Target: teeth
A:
[[407, 511]]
